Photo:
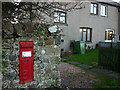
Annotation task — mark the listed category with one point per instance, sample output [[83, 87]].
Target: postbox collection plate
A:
[[26, 61]]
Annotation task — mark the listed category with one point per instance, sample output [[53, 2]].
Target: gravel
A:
[[75, 77]]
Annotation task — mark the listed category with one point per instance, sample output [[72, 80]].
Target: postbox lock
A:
[[26, 60]]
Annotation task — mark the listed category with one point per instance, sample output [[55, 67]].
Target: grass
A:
[[105, 81], [87, 58]]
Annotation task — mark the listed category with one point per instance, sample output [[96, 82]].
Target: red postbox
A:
[[26, 61]]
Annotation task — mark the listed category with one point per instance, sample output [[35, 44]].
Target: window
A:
[[109, 35], [60, 17], [85, 34], [62, 50], [103, 10], [118, 38], [94, 8], [62, 40]]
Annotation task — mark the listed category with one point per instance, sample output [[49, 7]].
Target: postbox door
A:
[[27, 70], [26, 62]]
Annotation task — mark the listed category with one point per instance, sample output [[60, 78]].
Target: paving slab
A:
[[73, 62], [85, 66], [1, 81], [64, 59], [101, 70], [116, 75]]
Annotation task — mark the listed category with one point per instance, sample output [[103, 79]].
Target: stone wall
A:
[[46, 65], [0, 43]]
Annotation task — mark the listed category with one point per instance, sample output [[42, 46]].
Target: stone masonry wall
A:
[[46, 65], [0, 43]]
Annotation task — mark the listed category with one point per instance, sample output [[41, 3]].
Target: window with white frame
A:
[[103, 10], [94, 8], [109, 35]]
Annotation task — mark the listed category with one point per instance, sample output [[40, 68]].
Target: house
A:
[[96, 21], [119, 25]]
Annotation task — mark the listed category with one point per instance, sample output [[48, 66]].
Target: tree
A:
[[31, 12], [22, 11]]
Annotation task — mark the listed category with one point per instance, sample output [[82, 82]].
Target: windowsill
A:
[[109, 40], [94, 14], [57, 23], [103, 16], [88, 42]]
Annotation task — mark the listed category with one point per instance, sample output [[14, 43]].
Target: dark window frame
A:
[[93, 8], [108, 36], [119, 37], [59, 12], [87, 33]]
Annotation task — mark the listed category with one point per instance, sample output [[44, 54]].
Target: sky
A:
[[110, 0], [116, 0]]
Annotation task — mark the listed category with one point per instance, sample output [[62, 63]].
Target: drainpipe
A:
[[112, 36]]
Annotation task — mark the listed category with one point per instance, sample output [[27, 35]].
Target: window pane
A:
[[105, 35], [105, 10], [88, 35], [102, 10], [62, 14], [56, 14], [91, 9], [62, 19], [95, 10], [84, 36], [80, 34], [110, 35], [56, 19], [95, 5], [84, 30]]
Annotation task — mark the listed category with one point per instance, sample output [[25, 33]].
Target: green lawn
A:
[[87, 58], [105, 82]]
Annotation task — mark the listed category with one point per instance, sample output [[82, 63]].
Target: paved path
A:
[[99, 70], [0, 80], [75, 77]]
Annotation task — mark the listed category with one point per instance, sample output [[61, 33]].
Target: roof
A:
[[112, 4]]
